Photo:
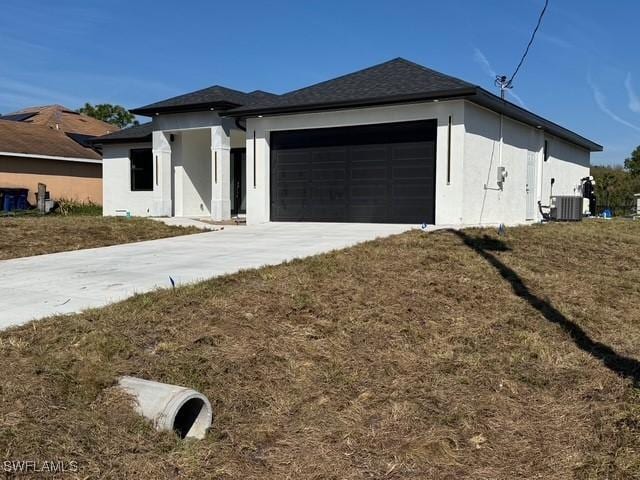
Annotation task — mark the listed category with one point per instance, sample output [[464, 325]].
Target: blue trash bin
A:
[[9, 202], [21, 200]]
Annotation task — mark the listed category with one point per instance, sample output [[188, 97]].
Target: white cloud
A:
[[556, 41], [634, 101], [480, 58], [30, 90], [601, 101], [19, 94], [517, 98]]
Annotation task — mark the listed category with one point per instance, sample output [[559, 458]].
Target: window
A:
[[546, 150], [141, 169]]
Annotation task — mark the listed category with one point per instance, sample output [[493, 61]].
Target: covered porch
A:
[[200, 169]]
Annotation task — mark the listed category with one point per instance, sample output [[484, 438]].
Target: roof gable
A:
[[395, 78], [393, 82], [216, 96], [134, 134], [32, 139], [61, 118]]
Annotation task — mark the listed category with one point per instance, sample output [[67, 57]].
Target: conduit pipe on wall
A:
[[170, 407], [500, 164]]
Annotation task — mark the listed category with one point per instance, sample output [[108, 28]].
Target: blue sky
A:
[[583, 71]]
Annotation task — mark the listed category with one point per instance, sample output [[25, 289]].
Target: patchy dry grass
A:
[[35, 235], [444, 355]]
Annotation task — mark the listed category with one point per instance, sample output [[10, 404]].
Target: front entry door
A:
[[238, 182], [531, 186]]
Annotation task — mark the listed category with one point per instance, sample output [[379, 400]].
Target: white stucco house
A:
[[393, 143]]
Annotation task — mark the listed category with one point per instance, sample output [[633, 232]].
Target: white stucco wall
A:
[[116, 182], [191, 156], [182, 121], [568, 164], [472, 197], [484, 202], [186, 148], [475, 148], [448, 195], [185, 166]]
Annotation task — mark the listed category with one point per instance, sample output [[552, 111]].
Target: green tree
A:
[[113, 114], [615, 188], [632, 164]]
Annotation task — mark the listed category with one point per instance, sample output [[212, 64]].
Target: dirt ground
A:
[[448, 355]]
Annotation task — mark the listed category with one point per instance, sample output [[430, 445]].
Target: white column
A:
[[258, 190], [161, 175], [178, 176], [220, 174]]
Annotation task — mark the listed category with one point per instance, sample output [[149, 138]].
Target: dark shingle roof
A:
[[259, 95], [392, 82], [398, 81], [397, 78], [135, 134], [212, 97]]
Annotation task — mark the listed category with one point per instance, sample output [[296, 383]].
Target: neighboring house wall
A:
[[448, 195], [73, 180], [116, 173]]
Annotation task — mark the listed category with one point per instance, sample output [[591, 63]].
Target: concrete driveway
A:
[[36, 287]]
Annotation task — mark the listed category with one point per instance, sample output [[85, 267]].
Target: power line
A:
[[501, 80], [533, 35]]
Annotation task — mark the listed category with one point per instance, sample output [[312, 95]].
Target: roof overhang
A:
[[150, 111], [50, 157], [499, 105], [98, 141], [476, 95], [347, 104]]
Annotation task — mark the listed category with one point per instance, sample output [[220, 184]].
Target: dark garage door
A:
[[372, 173]]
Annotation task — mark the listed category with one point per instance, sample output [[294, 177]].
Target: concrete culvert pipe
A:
[[170, 407]]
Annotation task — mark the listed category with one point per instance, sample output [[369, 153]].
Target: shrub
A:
[[72, 207]]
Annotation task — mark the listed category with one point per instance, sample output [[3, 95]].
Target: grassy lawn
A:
[[445, 355], [23, 236]]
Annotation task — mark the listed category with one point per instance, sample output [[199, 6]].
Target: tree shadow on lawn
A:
[[621, 365]]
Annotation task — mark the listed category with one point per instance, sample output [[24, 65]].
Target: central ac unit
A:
[[566, 208]]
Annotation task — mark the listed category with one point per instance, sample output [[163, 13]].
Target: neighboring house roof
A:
[[32, 140], [61, 118], [393, 82], [216, 97], [135, 134]]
